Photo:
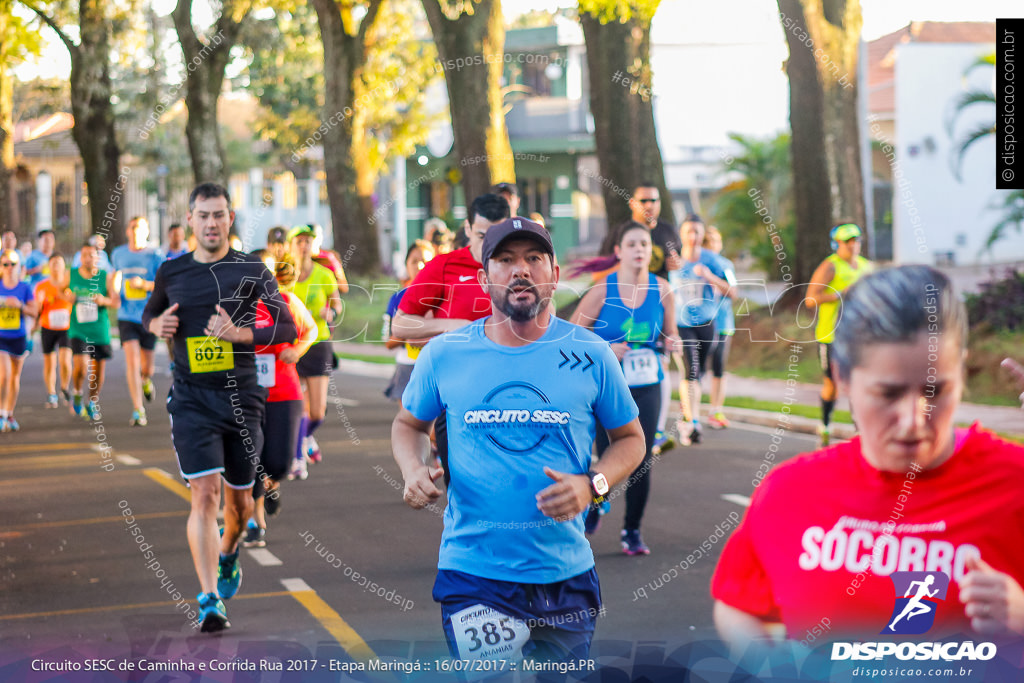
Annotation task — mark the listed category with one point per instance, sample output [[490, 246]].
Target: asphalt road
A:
[[348, 569]]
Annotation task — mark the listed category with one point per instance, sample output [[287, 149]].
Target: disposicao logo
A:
[[917, 598]]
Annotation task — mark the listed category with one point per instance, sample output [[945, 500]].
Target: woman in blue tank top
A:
[[633, 311]]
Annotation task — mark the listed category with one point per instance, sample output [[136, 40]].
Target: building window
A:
[[533, 76], [62, 204], [535, 197]]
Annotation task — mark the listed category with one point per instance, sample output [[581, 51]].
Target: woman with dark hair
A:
[[632, 310], [829, 533], [17, 304]]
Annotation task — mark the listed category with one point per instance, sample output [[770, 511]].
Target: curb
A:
[[791, 423]]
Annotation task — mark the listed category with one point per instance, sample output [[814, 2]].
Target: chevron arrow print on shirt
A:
[[573, 361]]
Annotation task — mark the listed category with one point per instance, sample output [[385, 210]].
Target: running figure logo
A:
[[917, 598]]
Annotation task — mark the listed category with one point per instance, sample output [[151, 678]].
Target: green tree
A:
[[97, 25], [284, 72], [17, 41], [470, 40], [618, 38], [1009, 203], [823, 38], [40, 97], [767, 176], [374, 80]]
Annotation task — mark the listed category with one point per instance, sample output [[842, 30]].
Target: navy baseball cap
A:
[[515, 228]]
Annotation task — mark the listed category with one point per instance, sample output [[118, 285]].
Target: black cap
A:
[[515, 228], [277, 235], [505, 187]]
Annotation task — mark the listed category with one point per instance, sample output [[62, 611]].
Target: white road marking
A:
[[742, 501], [125, 459], [342, 401], [295, 585], [264, 557]]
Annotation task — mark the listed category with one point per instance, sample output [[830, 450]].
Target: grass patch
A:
[[761, 349], [797, 409], [367, 358], [363, 310]]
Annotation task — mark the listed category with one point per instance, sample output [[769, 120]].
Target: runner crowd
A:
[[660, 295]]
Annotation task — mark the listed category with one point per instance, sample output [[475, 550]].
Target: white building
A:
[[916, 77]]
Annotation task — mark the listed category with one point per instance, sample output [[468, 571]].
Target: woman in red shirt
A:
[[275, 367], [830, 535]]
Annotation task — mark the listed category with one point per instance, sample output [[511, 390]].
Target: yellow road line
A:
[[115, 608], [165, 480], [49, 462], [35, 447], [98, 520], [346, 636]]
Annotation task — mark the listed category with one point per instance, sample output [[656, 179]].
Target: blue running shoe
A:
[[212, 615], [229, 577], [633, 544], [12, 424], [663, 443], [4, 425]]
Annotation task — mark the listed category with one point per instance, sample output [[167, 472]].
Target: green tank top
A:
[[89, 322], [828, 313]]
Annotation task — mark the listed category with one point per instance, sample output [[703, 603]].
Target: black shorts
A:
[[131, 331], [318, 361], [696, 345], [825, 359], [80, 347], [52, 339], [720, 353], [217, 431], [280, 437], [13, 346]]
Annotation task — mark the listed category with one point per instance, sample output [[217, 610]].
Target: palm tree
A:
[[767, 176], [1009, 202]]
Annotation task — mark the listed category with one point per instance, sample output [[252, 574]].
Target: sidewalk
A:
[[1002, 419]]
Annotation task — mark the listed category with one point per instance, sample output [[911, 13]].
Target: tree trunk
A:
[[619, 62], [94, 131], [6, 147], [838, 24], [827, 184], [474, 91], [205, 63], [341, 132]]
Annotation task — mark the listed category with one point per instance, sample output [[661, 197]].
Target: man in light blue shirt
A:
[[135, 264], [36, 265], [522, 391]]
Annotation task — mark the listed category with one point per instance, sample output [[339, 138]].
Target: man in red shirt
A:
[[447, 288], [449, 292]]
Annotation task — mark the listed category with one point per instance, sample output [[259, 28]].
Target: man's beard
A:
[[519, 312]]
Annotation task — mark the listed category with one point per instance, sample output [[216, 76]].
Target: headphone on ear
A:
[[832, 234]]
